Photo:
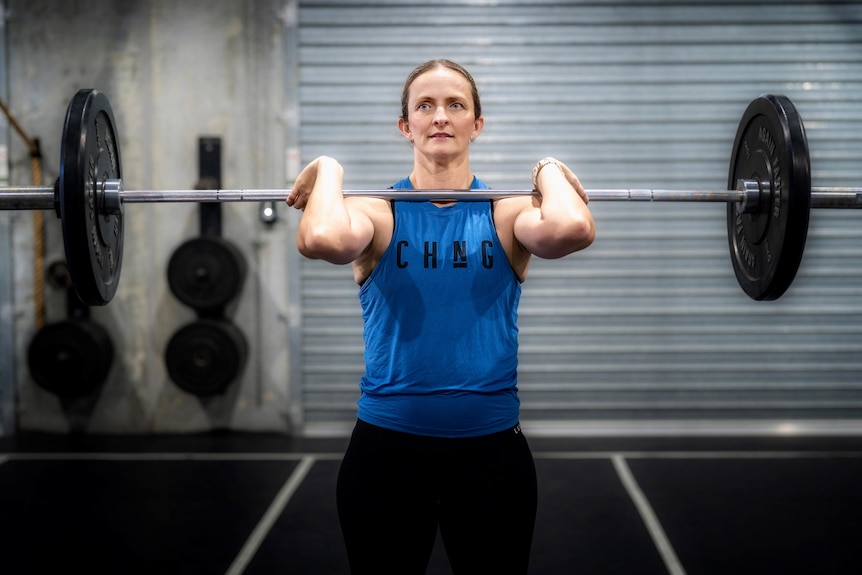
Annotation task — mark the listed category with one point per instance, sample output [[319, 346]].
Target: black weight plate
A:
[[205, 356], [206, 273], [766, 246], [71, 358], [93, 239]]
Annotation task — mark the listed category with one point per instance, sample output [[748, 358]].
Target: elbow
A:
[[575, 235], [578, 235], [309, 247], [320, 245], [585, 233]]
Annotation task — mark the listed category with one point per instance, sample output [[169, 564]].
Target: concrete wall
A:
[[173, 71]]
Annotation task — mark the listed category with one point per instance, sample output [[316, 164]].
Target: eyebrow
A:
[[424, 98]]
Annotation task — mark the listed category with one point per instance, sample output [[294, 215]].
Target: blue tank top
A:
[[440, 311]]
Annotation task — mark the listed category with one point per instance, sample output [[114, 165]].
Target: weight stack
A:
[[206, 274]]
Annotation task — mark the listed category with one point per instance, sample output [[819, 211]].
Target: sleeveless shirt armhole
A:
[[392, 207]]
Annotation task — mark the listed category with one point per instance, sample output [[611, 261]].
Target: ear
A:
[[477, 127], [404, 128]]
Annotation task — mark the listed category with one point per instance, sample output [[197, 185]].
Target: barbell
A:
[[768, 196]]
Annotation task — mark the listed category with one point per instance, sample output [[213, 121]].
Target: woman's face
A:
[[441, 120]]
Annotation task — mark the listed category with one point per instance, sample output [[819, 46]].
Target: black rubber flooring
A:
[[261, 504]]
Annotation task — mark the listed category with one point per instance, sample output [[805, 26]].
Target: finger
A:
[[583, 193], [576, 183], [295, 199]]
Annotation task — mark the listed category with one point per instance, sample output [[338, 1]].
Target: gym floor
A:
[[259, 504]]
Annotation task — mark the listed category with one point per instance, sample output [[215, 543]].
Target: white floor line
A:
[[269, 518], [170, 456], [694, 454], [653, 525]]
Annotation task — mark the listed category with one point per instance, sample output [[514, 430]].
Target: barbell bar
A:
[[44, 197], [769, 197]]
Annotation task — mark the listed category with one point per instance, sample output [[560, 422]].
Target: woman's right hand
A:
[[304, 184]]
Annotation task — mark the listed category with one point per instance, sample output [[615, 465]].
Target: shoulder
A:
[[403, 184], [368, 204], [507, 209]]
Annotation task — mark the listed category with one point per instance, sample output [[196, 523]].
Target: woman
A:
[[437, 441]]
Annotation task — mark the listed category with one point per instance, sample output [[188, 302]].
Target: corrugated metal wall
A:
[[647, 329]]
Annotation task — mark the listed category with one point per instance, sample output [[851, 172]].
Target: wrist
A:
[[540, 165]]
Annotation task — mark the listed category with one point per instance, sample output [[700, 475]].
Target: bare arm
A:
[[332, 228], [559, 222]]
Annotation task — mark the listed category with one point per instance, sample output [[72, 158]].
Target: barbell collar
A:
[[111, 196]]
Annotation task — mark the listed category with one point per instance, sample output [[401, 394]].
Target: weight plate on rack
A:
[[206, 273], [71, 358], [205, 356], [766, 245]]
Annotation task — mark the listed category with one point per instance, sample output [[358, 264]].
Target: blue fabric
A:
[[440, 312]]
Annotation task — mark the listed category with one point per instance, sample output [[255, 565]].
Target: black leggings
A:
[[394, 489]]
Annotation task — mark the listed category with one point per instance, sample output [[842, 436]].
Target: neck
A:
[[437, 177]]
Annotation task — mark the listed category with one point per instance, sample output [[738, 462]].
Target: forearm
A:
[[326, 230], [564, 223], [560, 201]]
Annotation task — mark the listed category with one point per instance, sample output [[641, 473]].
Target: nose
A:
[[440, 117]]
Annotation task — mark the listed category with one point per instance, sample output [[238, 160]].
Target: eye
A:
[[423, 106], [458, 105]]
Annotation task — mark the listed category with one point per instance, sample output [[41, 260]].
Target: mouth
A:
[[441, 136]]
